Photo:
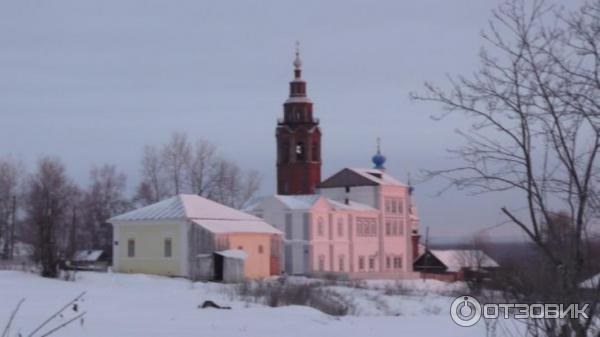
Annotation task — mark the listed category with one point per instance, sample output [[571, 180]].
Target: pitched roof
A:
[[457, 259], [350, 206], [182, 207], [87, 255], [306, 201], [233, 254], [359, 177], [236, 226]]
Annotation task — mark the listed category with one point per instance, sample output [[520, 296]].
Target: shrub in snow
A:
[[280, 292]]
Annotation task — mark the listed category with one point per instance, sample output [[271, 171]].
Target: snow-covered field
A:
[[142, 305]]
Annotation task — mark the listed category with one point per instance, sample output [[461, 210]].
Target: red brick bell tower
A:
[[298, 140]]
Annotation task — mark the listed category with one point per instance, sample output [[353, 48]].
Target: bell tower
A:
[[298, 140]]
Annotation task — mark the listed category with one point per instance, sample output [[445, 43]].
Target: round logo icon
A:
[[465, 311]]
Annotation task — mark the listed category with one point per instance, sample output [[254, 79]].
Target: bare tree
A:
[[153, 187], [534, 107], [176, 156], [180, 167], [230, 186], [10, 195], [103, 198], [74, 222], [201, 167], [47, 205]]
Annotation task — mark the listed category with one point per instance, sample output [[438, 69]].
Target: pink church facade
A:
[[361, 223]]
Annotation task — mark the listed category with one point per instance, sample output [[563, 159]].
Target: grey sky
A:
[[94, 81]]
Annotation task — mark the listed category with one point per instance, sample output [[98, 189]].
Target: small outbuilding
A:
[[453, 264], [193, 237], [89, 259]]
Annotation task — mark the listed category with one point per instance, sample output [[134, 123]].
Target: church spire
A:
[[298, 85], [298, 139], [297, 62]]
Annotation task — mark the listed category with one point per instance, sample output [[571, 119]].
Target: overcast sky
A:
[[93, 81]]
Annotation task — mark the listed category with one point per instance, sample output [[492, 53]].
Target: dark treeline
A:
[[42, 206]]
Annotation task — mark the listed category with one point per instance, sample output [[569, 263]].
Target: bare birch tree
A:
[[534, 108]]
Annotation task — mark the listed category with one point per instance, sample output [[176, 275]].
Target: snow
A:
[[184, 206], [143, 305], [377, 176], [171, 208], [236, 226], [213, 216], [352, 205], [298, 100], [456, 259], [306, 201], [298, 202], [87, 255], [233, 253], [21, 249]]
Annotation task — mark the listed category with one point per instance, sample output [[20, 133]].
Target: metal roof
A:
[[184, 207]]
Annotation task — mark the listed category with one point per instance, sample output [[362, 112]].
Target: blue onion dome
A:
[[378, 159]]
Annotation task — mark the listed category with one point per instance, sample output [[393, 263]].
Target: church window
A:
[[315, 152], [366, 227], [320, 227], [371, 263], [361, 263], [340, 226], [300, 151], [398, 262]]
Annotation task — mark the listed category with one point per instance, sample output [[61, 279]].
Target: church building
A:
[[358, 223]]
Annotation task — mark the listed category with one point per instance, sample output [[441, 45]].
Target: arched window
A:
[[300, 151], [315, 151]]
